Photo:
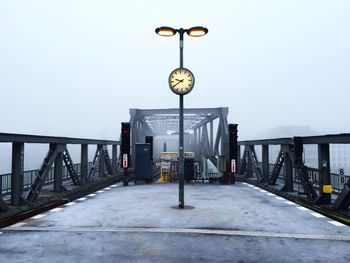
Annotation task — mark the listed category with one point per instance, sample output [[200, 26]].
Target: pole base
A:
[[181, 208]]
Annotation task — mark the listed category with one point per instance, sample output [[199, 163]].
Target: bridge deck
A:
[[229, 223]]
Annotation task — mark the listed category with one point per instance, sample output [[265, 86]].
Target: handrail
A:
[[26, 138]]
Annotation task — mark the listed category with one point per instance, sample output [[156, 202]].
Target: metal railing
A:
[[30, 175], [337, 181]]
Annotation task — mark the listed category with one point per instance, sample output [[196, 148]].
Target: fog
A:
[[74, 68]]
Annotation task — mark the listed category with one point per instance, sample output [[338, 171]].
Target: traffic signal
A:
[[125, 140], [233, 147]]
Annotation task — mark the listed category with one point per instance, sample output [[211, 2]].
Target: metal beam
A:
[[17, 173], [58, 173], [265, 163], [25, 138], [325, 176], [84, 163]]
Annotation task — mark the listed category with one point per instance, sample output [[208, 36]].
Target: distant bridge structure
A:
[[203, 137]]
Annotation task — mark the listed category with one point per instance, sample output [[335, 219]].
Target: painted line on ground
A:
[[99, 192], [38, 216], [302, 208], [317, 215], [113, 186], [270, 194], [263, 191], [108, 188], [19, 224], [70, 203], [279, 198], [289, 203], [81, 199], [184, 230], [336, 223], [56, 209], [91, 195]]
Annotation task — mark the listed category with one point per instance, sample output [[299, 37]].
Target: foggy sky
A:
[[74, 68]]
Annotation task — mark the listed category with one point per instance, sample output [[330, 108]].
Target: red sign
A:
[[125, 160], [233, 165]]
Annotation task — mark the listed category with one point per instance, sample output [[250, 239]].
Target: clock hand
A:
[[177, 83], [181, 80]]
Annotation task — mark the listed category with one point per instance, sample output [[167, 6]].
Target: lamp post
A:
[[197, 31]]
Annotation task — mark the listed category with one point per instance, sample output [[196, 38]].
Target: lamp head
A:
[[165, 31], [197, 31]]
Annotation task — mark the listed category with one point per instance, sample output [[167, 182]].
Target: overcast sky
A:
[[74, 68]]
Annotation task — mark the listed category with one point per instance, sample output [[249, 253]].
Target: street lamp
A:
[[181, 87]]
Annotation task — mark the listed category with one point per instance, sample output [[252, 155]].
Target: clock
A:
[[181, 81]]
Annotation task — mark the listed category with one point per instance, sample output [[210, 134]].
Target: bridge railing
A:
[[25, 186], [30, 175], [338, 181], [318, 184]]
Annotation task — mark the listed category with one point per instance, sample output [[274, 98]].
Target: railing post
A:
[[114, 158], [84, 163], [324, 176], [17, 173], [265, 163], [58, 172], [249, 165], [101, 164], [238, 161], [288, 166]]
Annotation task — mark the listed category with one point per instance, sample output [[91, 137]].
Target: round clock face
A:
[[181, 81]]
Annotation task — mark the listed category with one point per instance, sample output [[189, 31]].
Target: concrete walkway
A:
[[229, 223]]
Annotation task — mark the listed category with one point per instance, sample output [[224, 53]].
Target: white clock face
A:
[[181, 81]]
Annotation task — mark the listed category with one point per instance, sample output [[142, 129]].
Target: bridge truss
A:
[[198, 125]]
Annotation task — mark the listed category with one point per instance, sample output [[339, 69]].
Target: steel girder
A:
[[153, 122]]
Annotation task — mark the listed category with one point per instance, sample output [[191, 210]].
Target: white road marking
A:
[[289, 203], [263, 191], [270, 194], [336, 223], [108, 188], [71, 203], [185, 230], [250, 185], [257, 188], [316, 215], [302, 208], [91, 195], [39, 216], [99, 192], [244, 183], [19, 224], [56, 209], [114, 185], [279, 198], [82, 199]]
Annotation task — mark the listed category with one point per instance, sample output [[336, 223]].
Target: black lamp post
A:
[[197, 31]]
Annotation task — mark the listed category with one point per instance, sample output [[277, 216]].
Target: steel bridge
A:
[[278, 209]]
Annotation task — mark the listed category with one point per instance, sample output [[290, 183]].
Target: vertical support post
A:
[[238, 161], [17, 173], [114, 158], [325, 177], [101, 162], [211, 138], [58, 172], [249, 169], [288, 177], [84, 163], [265, 163]]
